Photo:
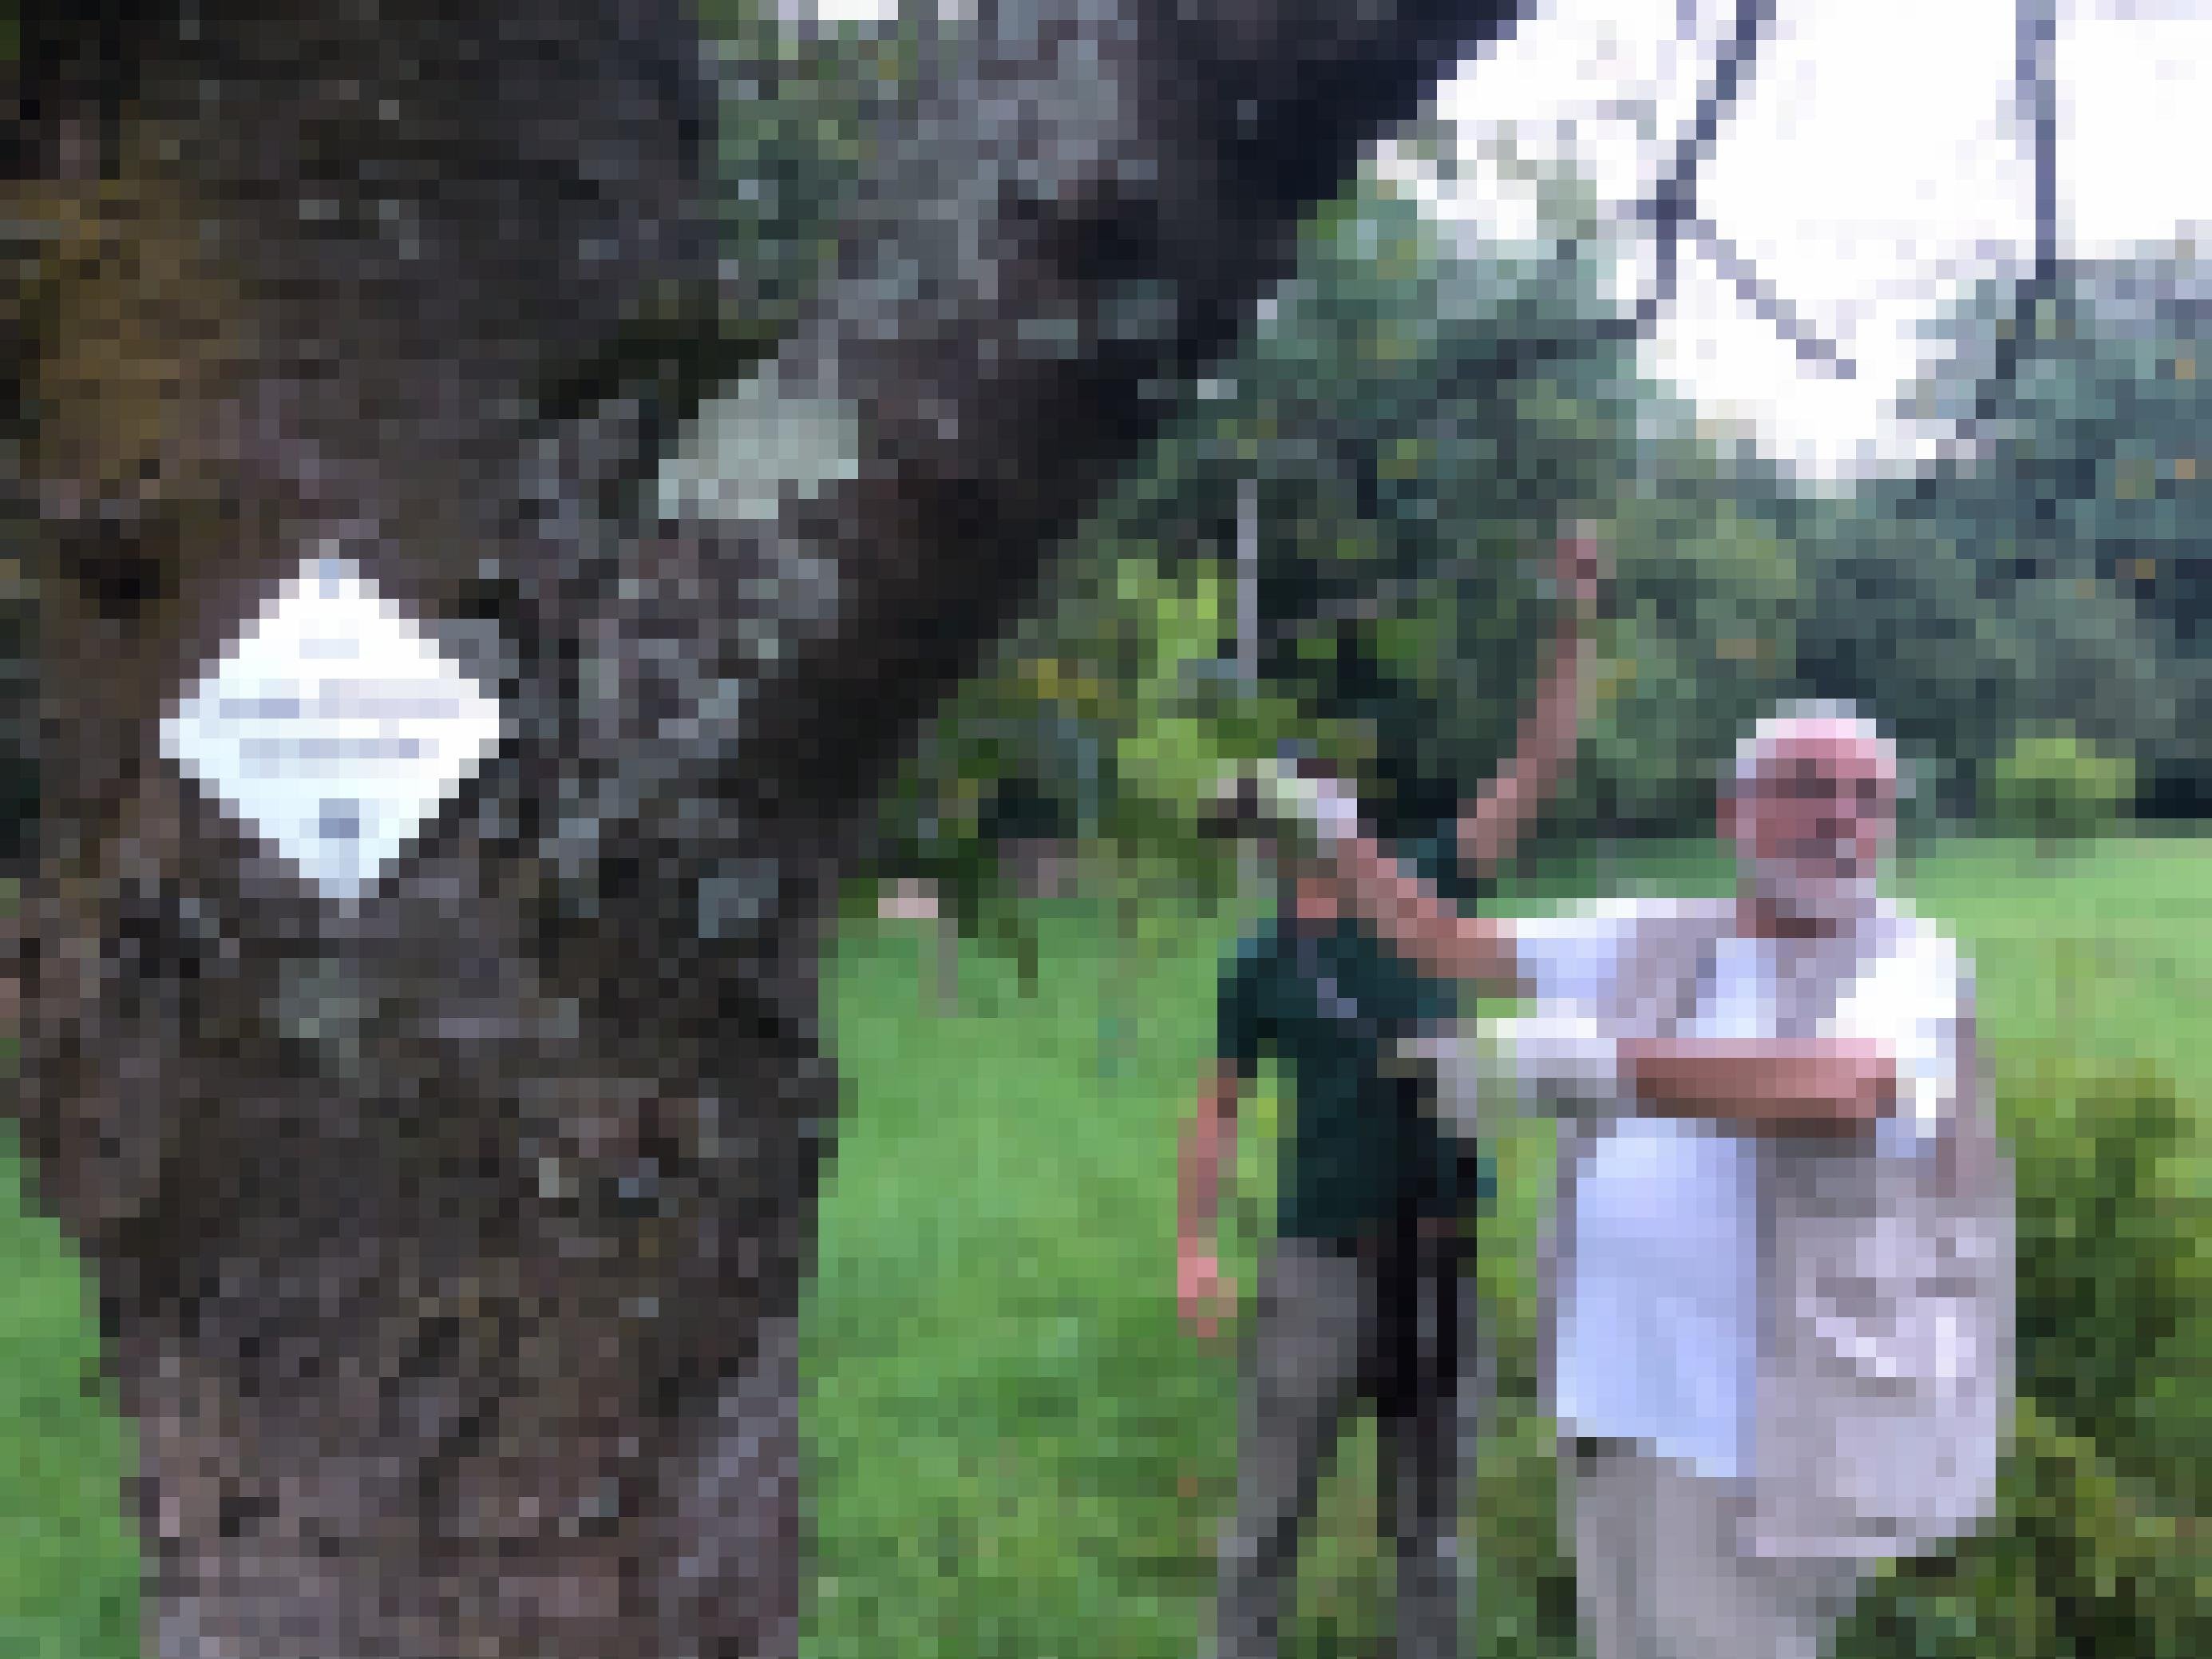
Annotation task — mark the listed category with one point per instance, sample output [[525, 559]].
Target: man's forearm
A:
[[1763, 1087], [1210, 1140], [1543, 748], [1405, 911], [1407, 915]]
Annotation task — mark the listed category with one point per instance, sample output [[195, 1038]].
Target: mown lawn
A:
[[1016, 1451]]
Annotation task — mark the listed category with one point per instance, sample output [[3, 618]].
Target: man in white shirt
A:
[[1780, 1302]]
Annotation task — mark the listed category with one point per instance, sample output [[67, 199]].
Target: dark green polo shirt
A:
[[1330, 1007]]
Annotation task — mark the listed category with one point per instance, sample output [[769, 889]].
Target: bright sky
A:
[[1874, 169]]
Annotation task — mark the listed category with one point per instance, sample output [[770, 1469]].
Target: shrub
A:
[[2052, 785], [2094, 1550]]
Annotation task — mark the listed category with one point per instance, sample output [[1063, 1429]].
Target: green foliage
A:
[[1414, 423], [1414, 417], [2094, 1549], [2062, 545], [68, 1568], [802, 106], [2113, 1274], [1110, 723], [2052, 784], [1419, 420], [1705, 641]]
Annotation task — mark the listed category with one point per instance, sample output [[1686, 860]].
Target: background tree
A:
[[1412, 424], [2051, 570]]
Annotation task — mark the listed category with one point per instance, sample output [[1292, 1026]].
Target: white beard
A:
[[1823, 902]]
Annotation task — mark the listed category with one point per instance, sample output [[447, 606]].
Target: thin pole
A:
[[2035, 96], [2036, 90], [1248, 579]]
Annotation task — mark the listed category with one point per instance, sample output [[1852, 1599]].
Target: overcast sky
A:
[[1874, 168]]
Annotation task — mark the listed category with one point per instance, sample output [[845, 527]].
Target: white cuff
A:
[[1565, 1063], [1327, 810]]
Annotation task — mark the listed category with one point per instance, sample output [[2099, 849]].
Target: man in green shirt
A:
[[1359, 1293]]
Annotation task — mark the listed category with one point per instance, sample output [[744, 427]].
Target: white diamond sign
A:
[[333, 727]]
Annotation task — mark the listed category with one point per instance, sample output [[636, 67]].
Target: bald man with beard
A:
[[1778, 1295]]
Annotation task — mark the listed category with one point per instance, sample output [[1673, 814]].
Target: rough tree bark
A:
[[450, 1247]]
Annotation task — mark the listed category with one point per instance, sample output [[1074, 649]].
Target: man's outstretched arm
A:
[[1406, 912], [1318, 818]]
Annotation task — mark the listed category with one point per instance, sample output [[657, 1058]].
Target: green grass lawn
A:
[[1016, 1449], [68, 1573]]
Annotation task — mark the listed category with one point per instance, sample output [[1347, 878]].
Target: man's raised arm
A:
[[1405, 911], [1492, 827]]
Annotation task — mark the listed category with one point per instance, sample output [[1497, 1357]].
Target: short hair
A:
[[1756, 751]]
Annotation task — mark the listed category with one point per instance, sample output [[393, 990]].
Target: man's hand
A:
[[1582, 572], [1204, 1295], [1313, 810], [1872, 1073]]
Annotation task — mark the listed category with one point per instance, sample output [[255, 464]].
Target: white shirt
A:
[[1657, 1332]]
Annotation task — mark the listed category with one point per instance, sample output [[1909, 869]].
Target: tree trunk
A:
[[450, 1247]]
